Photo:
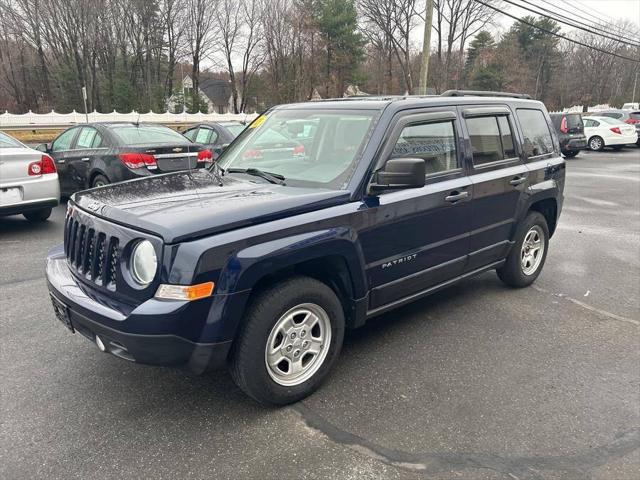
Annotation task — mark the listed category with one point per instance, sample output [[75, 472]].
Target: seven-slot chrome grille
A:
[[91, 253]]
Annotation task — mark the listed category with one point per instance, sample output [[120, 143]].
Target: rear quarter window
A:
[[537, 136]]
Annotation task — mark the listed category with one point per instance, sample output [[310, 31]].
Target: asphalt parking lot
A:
[[477, 382]]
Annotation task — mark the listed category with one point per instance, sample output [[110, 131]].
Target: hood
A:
[[187, 205]]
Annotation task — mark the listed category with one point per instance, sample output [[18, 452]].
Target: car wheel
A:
[[289, 341], [100, 181], [528, 254], [38, 215], [596, 143], [570, 153]]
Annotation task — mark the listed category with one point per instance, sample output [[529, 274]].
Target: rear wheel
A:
[[596, 143], [528, 254], [570, 153], [38, 215], [290, 340], [99, 181]]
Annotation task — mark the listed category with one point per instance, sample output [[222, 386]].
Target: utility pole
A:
[[426, 48], [84, 99], [635, 82]]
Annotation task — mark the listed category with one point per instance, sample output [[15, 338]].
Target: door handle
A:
[[515, 181], [85, 159], [454, 196]]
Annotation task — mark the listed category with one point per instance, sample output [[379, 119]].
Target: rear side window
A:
[[191, 134], [88, 138], [433, 142], [588, 122], [537, 137], [206, 135], [491, 139]]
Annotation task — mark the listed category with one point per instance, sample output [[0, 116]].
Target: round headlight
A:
[[144, 262]]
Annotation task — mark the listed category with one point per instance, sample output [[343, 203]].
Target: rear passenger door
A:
[[86, 146], [499, 178], [418, 236]]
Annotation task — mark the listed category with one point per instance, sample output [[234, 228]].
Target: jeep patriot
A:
[[317, 217]]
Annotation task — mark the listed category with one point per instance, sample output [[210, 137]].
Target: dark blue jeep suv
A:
[[317, 217]]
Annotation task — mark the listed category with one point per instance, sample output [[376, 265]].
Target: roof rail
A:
[[482, 93]]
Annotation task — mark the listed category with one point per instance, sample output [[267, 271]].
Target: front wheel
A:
[[570, 153], [528, 254], [596, 143], [290, 339]]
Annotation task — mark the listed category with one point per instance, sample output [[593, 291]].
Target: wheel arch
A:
[[548, 208]]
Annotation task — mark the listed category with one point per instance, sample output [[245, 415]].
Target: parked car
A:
[[632, 117], [216, 136], [604, 132], [631, 106], [28, 181], [261, 262], [570, 131], [96, 154]]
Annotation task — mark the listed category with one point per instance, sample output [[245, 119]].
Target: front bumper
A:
[[91, 317]]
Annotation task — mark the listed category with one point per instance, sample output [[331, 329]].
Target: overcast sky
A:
[[597, 11]]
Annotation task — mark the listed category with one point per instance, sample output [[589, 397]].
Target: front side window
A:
[[145, 134], [435, 143], [63, 142], [537, 136], [325, 158], [491, 139]]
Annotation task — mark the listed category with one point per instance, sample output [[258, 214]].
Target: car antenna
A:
[[137, 122]]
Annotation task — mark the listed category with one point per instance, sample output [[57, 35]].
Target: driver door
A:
[[419, 236]]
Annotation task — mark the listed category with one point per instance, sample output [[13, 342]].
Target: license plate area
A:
[[9, 196], [62, 313]]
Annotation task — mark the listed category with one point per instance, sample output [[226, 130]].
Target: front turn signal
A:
[[185, 292]]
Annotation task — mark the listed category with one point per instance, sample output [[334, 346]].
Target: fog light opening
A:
[[100, 344]]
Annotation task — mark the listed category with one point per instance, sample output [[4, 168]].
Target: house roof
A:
[[218, 91]]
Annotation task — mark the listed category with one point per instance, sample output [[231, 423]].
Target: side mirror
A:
[[44, 147], [400, 173]]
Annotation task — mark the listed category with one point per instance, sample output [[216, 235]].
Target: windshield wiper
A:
[[256, 172]]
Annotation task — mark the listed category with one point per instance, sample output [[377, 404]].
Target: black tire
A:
[[248, 364], [38, 215], [596, 143], [512, 272], [570, 153], [99, 181]]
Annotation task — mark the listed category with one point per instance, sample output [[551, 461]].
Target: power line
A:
[[579, 27], [580, 5], [557, 34], [596, 26]]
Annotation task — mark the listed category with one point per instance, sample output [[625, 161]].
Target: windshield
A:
[[310, 147], [144, 134], [7, 142]]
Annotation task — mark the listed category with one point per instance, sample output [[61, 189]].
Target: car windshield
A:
[[235, 129], [308, 147], [7, 142], [144, 134], [611, 121]]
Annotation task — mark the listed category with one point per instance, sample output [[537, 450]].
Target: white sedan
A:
[[28, 181], [608, 132]]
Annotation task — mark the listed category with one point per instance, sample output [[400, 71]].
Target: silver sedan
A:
[[28, 181]]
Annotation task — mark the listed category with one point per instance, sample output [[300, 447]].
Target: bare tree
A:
[[200, 38]]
